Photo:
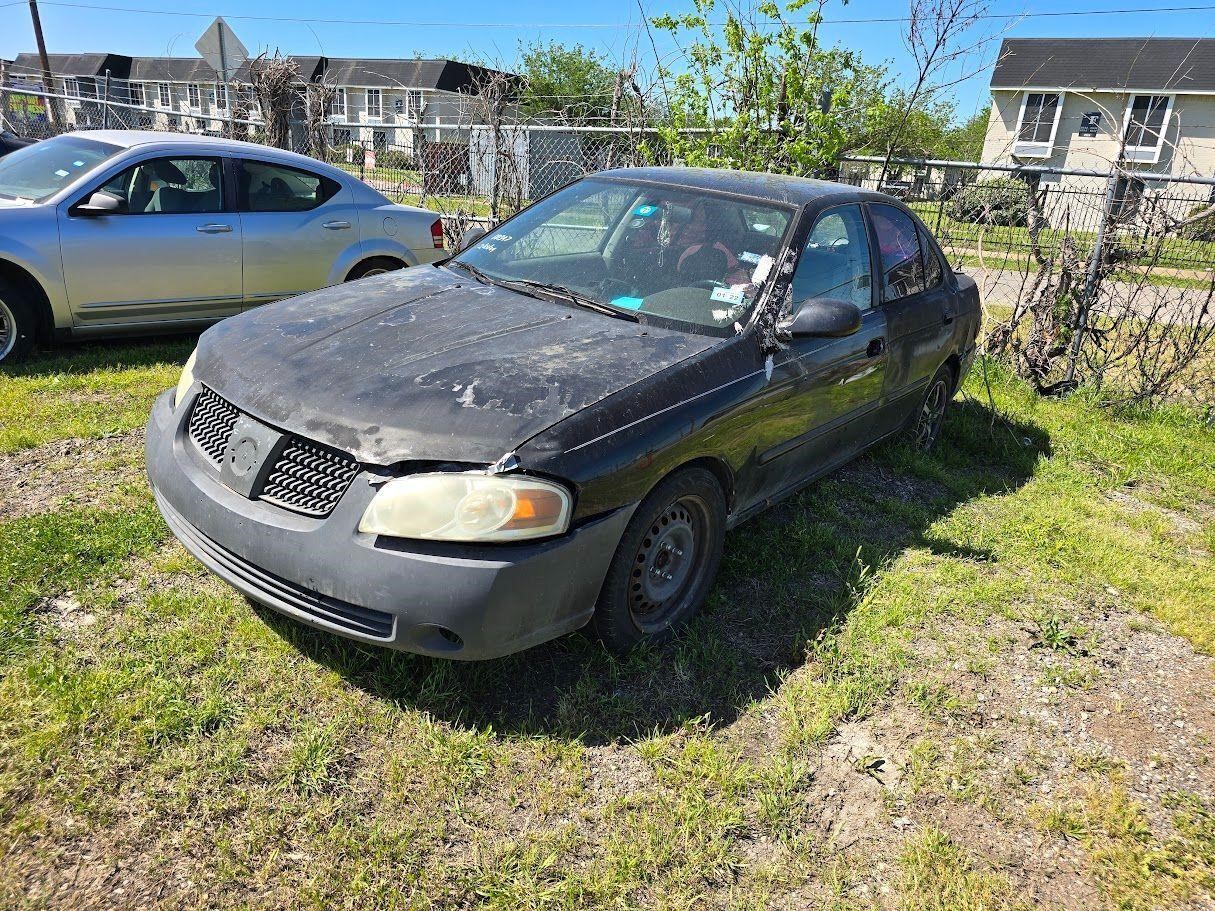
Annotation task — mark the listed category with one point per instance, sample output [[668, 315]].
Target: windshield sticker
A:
[[762, 268], [645, 211], [732, 296], [490, 247], [502, 237], [627, 303], [77, 164], [748, 257], [61, 173]]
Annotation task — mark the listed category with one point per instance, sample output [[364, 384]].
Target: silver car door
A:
[[296, 225], [170, 252]]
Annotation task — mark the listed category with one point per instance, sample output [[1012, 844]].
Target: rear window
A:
[[266, 187]]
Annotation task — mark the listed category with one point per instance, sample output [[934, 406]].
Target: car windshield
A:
[[644, 251], [39, 171]]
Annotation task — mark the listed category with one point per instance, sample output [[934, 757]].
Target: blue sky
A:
[[484, 28]]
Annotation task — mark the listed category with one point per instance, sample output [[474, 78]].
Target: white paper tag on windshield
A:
[[732, 296], [762, 268]]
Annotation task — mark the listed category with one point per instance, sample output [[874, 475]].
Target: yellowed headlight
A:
[[468, 506], [187, 379]]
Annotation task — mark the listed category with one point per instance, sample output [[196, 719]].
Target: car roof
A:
[[775, 187], [130, 139]]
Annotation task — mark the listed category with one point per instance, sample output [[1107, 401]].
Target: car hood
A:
[[427, 363]]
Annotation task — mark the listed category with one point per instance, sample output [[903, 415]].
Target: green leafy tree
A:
[[574, 85], [764, 91]]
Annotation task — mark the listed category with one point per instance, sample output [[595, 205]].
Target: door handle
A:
[[336, 225], [876, 347], [214, 229]]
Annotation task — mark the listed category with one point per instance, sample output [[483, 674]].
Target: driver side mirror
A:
[[471, 236], [821, 317], [101, 203]]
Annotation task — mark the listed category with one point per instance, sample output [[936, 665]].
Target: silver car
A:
[[123, 232]]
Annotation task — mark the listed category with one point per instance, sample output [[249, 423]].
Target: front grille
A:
[[309, 478], [278, 592], [211, 424]]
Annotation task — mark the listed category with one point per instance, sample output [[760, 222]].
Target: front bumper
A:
[[447, 600]]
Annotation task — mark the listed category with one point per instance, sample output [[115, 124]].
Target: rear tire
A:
[[376, 266], [665, 563], [18, 323], [925, 428]]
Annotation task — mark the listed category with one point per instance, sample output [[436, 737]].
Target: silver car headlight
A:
[[187, 379], [468, 506]]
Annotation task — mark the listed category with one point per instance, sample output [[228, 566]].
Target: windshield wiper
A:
[[575, 298], [476, 273]]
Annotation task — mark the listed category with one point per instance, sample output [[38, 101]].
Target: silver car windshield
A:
[[40, 171], [674, 253]]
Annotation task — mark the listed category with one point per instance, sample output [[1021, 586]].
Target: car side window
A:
[[933, 271], [265, 187], [835, 262], [899, 245], [169, 186]]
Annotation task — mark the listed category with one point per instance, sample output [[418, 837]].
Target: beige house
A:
[[1145, 106]]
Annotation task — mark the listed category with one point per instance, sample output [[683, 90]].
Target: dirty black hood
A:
[[427, 363]]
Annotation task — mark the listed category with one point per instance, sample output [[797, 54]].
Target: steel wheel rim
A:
[[375, 271], [932, 413], [8, 330], [668, 563]]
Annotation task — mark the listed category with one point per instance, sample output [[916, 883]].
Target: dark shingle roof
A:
[[73, 65], [449, 75], [178, 69], [1166, 64]]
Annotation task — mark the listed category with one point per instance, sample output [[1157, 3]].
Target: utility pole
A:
[[46, 64]]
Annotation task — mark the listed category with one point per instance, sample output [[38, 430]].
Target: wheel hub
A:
[[664, 563], [931, 414]]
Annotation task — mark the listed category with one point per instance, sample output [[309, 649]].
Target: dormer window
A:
[[1038, 124], [1147, 117]]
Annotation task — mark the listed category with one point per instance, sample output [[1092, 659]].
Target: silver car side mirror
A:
[[100, 203]]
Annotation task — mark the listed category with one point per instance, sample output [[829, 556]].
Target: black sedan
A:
[[558, 425]]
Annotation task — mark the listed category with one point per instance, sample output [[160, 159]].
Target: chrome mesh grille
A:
[[309, 478], [211, 424]]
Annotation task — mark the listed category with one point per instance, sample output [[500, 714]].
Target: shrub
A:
[[1201, 229], [1002, 201]]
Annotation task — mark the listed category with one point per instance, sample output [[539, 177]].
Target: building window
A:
[[375, 106], [163, 98], [337, 107], [341, 137], [415, 105], [1038, 123], [194, 95], [135, 93], [71, 88], [379, 140], [1146, 118]]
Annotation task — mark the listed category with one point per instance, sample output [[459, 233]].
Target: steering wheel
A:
[[707, 284]]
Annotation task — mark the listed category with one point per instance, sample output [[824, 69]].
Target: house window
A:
[[194, 94], [217, 98], [1039, 120], [71, 88], [1145, 126], [341, 137], [163, 98], [415, 104], [135, 93], [337, 107], [375, 106], [379, 140]]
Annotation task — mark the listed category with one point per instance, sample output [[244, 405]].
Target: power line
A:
[[599, 25]]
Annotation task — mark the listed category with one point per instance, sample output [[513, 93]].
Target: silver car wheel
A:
[[932, 413], [8, 330], [371, 272]]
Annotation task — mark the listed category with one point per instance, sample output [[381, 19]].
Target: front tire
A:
[[17, 323], [665, 563]]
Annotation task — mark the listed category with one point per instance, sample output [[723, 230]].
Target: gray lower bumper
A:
[[408, 595]]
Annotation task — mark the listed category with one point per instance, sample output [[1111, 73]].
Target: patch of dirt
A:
[[79, 472]]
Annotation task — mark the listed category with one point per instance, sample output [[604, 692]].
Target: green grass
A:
[[231, 758], [89, 390]]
